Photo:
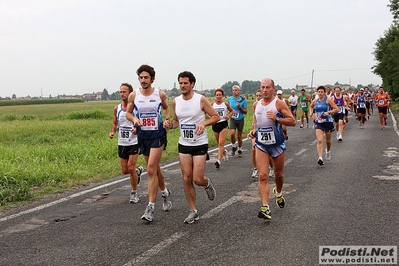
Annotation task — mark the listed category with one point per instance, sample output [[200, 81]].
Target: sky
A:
[[56, 47]]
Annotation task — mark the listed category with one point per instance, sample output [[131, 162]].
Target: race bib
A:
[[235, 114], [187, 132], [320, 118], [149, 121], [266, 135], [303, 104], [362, 105], [125, 135], [221, 112], [381, 102]]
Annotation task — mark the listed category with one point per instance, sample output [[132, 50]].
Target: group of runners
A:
[[141, 129]]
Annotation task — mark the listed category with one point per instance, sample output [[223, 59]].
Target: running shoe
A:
[[307, 125], [265, 213], [192, 217], [148, 214], [255, 173], [233, 151], [239, 153], [337, 136], [382, 127], [134, 198], [328, 155], [139, 171], [340, 138], [217, 164], [210, 190], [271, 172], [320, 161], [280, 201], [167, 203], [225, 156], [301, 126]]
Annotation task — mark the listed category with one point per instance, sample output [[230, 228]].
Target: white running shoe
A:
[[225, 156], [328, 155]]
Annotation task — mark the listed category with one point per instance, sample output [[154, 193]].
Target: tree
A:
[[386, 53], [105, 95], [394, 8], [114, 96], [250, 87], [14, 96], [227, 87]]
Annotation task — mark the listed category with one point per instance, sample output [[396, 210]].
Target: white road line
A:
[[156, 249], [220, 207], [44, 206], [300, 152], [288, 161]]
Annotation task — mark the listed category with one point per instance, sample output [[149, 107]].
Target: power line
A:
[[348, 69], [295, 76]]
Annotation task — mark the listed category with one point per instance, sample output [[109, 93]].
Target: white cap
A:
[[293, 91], [279, 92], [361, 89]]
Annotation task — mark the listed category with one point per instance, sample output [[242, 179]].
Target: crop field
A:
[[48, 148]]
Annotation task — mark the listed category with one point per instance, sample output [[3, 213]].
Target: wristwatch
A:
[[277, 118]]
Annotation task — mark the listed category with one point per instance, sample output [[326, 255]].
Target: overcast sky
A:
[[77, 46]]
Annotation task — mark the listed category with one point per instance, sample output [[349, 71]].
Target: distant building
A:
[[95, 96]]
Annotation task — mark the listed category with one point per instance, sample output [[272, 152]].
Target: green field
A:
[[48, 148]]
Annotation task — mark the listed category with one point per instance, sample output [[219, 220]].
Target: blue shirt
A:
[[237, 113]]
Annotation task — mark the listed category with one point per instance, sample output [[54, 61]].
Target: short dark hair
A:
[[187, 74], [128, 85], [321, 88], [219, 89], [148, 69]]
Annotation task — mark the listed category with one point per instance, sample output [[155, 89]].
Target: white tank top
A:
[[190, 115], [125, 127], [221, 109], [149, 110], [268, 131]]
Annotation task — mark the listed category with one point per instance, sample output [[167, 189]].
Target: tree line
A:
[[386, 53]]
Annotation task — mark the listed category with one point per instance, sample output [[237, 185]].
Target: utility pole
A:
[[311, 83]]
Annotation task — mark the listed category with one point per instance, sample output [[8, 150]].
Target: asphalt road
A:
[[351, 200]]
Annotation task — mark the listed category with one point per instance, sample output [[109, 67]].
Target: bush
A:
[[13, 190], [95, 114], [9, 117]]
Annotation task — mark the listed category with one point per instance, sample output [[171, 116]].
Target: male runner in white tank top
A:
[[190, 110]]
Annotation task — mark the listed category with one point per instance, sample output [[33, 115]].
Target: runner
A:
[[220, 129], [304, 101], [368, 97], [190, 109], [323, 108], [239, 105], [269, 115], [339, 100], [255, 174], [361, 107], [293, 100], [280, 96], [349, 105], [147, 103], [382, 102], [128, 147]]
